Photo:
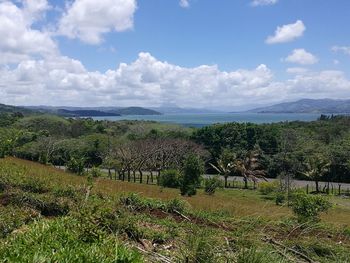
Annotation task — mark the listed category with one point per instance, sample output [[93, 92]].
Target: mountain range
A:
[[307, 106], [93, 111]]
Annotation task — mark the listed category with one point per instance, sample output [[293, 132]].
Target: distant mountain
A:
[[307, 106], [178, 110], [135, 111], [93, 111], [85, 113]]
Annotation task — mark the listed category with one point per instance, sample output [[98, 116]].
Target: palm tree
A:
[[250, 168], [225, 164], [317, 167]]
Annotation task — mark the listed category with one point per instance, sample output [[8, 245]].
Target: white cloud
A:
[[301, 56], [184, 3], [343, 49], [287, 33], [89, 20], [35, 9], [147, 81], [296, 70], [18, 39], [263, 2]]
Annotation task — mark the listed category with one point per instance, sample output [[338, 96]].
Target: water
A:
[[200, 120]]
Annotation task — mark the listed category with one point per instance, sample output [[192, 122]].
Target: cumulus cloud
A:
[[287, 33], [19, 39], [184, 3], [89, 20], [148, 81], [342, 49], [301, 56], [263, 2]]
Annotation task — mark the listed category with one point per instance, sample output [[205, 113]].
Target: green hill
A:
[[47, 215], [13, 109]]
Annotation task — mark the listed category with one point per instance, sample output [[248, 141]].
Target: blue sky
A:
[[221, 54]]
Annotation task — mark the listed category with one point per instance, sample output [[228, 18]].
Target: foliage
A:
[[308, 207], [76, 165], [192, 171], [170, 178], [267, 188], [95, 172], [225, 164], [210, 185], [226, 227]]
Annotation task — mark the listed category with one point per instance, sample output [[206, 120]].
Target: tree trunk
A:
[[151, 176], [134, 174], [158, 177], [245, 182], [140, 172], [109, 173], [317, 187], [226, 181]]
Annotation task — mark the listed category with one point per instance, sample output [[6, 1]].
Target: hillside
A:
[[135, 111], [60, 217], [94, 111], [85, 113], [307, 106], [12, 109]]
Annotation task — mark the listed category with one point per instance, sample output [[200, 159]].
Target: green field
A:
[[51, 216]]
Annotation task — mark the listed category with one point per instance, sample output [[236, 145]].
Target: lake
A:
[[200, 120]]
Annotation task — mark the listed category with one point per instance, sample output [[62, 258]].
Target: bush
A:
[[177, 205], [308, 207], [280, 198], [267, 188], [191, 175], [95, 172], [170, 178], [211, 184], [76, 165]]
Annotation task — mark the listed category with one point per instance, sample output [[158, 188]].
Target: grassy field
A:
[[47, 215]]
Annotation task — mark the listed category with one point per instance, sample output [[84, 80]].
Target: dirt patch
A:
[[158, 213]]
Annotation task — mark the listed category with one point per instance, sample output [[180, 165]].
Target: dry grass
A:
[[238, 203]]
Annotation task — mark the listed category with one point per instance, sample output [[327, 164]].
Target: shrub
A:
[[95, 172], [267, 188], [76, 165], [308, 207], [192, 170], [211, 184], [177, 205], [170, 178], [280, 198]]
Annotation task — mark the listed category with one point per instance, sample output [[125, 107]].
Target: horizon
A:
[[248, 54]]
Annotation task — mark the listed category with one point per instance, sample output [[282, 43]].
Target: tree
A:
[[191, 174], [225, 164], [250, 167], [317, 166]]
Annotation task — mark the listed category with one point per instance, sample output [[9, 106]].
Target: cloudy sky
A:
[[220, 54]]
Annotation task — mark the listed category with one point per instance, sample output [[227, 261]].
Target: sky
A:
[[222, 54]]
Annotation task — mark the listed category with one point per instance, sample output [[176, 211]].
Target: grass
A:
[[111, 225]]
